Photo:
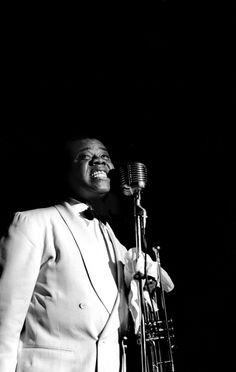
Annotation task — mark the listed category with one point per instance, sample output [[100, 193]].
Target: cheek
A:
[[76, 174], [79, 170]]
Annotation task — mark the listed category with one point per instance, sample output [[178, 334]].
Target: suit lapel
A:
[[119, 258], [85, 243], [119, 315]]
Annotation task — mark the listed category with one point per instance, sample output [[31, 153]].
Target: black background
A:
[[156, 87]]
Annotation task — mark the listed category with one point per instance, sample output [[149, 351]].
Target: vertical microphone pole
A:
[[140, 222], [133, 178]]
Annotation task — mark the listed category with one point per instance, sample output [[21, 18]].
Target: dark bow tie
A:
[[90, 214]]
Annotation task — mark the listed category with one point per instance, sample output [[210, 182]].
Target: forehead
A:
[[90, 144]]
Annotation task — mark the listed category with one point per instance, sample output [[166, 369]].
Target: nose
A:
[[97, 160]]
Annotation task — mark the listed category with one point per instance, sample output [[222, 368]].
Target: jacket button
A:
[[82, 306]]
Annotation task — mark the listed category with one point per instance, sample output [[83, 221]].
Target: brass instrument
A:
[[159, 330], [154, 340]]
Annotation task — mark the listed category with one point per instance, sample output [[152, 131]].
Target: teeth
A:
[[99, 174]]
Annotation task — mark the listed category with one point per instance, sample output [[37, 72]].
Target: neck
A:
[[95, 203]]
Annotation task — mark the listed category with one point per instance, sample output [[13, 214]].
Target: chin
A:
[[103, 185], [101, 191]]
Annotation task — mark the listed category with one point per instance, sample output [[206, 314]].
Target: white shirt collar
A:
[[77, 206]]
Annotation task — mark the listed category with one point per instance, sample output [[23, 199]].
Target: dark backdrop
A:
[[156, 93]]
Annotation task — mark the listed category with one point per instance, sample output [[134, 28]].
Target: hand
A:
[[150, 284], [134, 268]]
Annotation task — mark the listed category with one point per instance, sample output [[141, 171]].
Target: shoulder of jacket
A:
[[38, 214]]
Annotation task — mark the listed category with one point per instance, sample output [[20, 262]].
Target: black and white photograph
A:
[[118, 206]]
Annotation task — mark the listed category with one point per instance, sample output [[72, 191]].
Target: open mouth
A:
[[99, 174]]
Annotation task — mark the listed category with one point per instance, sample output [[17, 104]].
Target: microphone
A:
[[133, 177]]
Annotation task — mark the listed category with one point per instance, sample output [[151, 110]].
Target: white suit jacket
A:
[[51, 286]]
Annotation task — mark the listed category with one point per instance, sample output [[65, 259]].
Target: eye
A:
[[84, 156], [105, 156]]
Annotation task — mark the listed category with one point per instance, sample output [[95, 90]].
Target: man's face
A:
[[90, 164]]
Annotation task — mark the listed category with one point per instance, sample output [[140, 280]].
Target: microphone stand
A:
[[140, 224]]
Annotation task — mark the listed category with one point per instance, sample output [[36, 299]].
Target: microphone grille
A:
[[133, 175]]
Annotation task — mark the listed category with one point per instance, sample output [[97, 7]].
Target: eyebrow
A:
[[89, 148]]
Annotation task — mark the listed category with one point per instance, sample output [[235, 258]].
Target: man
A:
[[63, 291]]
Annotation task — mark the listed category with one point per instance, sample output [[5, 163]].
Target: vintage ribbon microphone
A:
[[133, 179]]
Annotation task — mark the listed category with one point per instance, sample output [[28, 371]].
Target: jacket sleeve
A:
[[20, 260]]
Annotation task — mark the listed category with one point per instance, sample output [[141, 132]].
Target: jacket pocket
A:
[[38, 359]]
